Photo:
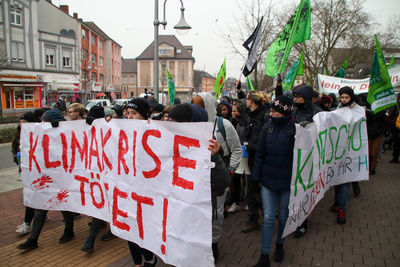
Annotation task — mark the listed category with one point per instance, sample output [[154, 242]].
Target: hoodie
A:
[[304, 112], [231, 146]]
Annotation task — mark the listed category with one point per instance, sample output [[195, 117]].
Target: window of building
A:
[[1, 13], [124, 80], [24, 98], [84, 34], [132, 95], [132, 79], [67, 56], [93, 76], [101, 61], [183, 72], [17, 52], [84, 54], [50, 56], [93, 39], [93, 57], [101, 78], [100, 44], [16, 16]]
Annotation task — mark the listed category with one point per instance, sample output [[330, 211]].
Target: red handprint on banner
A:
[[59, 198], [42, 183]]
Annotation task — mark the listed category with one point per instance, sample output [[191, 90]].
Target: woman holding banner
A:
[[273, 168]]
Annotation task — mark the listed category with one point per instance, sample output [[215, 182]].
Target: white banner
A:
[[149, 180], [333, 150], [331, 84]]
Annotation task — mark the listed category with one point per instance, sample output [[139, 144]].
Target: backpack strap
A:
[[221, 127]]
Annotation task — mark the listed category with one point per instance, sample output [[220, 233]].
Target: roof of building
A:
[[91, 25], [148, 53], [199, 75], [129, 65]]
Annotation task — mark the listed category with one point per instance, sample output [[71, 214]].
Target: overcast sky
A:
[[130, 23]]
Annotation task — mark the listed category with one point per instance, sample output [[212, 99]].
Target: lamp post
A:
[[182, 25]]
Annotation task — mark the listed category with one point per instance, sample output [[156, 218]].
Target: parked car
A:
[[100, 102], [120, 102]]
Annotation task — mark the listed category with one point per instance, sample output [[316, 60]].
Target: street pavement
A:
[[371, 236]]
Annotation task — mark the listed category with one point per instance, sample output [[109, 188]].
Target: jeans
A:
[[342, 195], [269, 199]]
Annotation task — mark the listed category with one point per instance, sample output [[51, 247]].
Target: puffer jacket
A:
[[274, 157]]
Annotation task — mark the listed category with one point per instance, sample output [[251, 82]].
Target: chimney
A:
[[75, 15], [65, 8]]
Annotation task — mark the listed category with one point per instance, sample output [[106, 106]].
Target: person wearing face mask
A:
[[273, 168], [303, 113]]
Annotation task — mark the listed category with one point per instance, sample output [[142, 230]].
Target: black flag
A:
[[252, 44]]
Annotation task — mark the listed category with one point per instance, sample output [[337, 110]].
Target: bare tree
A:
[[334, 24], [250, 14], [390, 37]]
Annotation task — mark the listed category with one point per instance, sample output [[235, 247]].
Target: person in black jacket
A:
[[256, 112], [273, 168]]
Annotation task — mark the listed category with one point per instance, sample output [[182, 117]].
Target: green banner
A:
[[297, 30], [295, 70], [380, 92], [249, 84], [171, 88], [220, 80], [342, 70]]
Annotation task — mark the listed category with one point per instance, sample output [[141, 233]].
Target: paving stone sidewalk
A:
[[371, 236]]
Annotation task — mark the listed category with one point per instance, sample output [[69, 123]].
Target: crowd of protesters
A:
[[252, 147]]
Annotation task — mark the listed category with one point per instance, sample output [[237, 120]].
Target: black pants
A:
[[40, 217], [95, 226], [29, 213], [137, 252], [253, 198], [396, 144]]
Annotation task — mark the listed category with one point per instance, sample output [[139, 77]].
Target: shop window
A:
[[67, 55], [17, 52], [50, 56], [24, 97], [15, 16]]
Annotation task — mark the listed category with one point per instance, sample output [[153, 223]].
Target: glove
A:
[[304, 123], [89, 120], [54, 124]]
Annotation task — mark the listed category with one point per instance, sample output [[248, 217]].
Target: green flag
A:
[[295, 70], [342, 70], [220, 80], [391, 62], [297, 30], [380, 92], [249, 84], [171, 88]]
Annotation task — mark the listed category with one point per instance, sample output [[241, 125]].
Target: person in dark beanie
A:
[[177, 100], [303, 112], [29, 116], [138, 108], [118, 112], [53, 116], [325, 102], [273, 168], [96, 112], [156, 114]]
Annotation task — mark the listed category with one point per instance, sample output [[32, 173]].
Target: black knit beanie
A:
[[140, 105], [52, 115], [181, 113], [283, 104], [96, 112], [29, 117]]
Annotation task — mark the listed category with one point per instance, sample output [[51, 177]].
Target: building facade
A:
[[129, 78], [172, 55]]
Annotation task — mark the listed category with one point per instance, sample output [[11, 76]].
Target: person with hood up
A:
[[303, 112], [226, 111], [228, 138], [54, 116], [273, 168]]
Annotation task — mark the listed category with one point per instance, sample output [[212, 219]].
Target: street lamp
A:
[[181, 26]]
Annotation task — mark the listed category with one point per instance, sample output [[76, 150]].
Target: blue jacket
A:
[[274, 156]]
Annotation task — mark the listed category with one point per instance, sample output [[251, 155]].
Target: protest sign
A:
[[333, 150], [149, 180], [330, 84]]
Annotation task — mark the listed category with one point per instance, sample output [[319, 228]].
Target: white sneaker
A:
[[23, 229], [234, 208]]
